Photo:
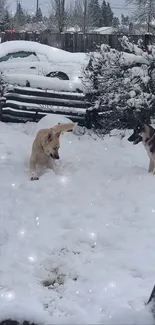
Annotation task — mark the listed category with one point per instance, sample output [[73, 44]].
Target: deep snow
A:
[[89, 230]]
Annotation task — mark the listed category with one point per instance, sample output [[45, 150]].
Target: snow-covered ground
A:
[[76, 248]]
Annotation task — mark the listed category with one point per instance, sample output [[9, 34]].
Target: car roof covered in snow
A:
[[52, 53]]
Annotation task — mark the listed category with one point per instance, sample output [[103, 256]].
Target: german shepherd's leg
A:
[[153, 159], [151, 166]]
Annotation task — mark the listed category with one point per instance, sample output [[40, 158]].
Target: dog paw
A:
[[34, 178]]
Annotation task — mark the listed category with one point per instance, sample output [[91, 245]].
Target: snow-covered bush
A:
[[34, 27], [123, 83]]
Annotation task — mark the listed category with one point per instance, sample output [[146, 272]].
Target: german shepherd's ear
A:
[[139, 139], [135, 138], [143, 117], [132, 137]]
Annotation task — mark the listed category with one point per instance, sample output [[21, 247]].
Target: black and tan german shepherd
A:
[[145, 133]]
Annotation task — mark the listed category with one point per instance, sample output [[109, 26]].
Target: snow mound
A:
[[51, 120]]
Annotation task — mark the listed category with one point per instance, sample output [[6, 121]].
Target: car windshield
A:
[[20, 54]]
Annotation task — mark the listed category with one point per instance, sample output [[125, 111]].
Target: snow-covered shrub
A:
[[122, 82], [34, 27]]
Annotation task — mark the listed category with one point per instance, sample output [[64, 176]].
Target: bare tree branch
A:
[[59, 13]]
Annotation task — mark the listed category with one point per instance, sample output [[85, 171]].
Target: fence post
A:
[[147, 40], [35, 119], [2, 102], [1, 110], [88, 119], [91, 118]]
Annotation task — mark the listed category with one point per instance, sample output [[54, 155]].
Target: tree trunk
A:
[[85, 17]]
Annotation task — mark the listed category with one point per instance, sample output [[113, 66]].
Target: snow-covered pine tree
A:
[[3, 13], [109, 15], [7, 21], [125, 20], [39, 15], [104, 13], [2, 8], [115, 22], [19, 18], [94, 13]]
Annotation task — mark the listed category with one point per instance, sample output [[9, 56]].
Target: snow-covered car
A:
[[25, 58]]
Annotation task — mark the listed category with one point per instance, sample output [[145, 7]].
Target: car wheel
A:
[[58, 74]]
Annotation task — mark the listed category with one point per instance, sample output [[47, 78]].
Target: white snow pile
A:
[[77, 247]]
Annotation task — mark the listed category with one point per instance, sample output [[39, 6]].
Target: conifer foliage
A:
[[123, 84], [100, 15]]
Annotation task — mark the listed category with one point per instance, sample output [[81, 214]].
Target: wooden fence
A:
[[23, 104], [75, 42]]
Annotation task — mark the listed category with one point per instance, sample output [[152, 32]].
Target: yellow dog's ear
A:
[[64, 127], [50, 136], [73, 125], [57, 134]]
